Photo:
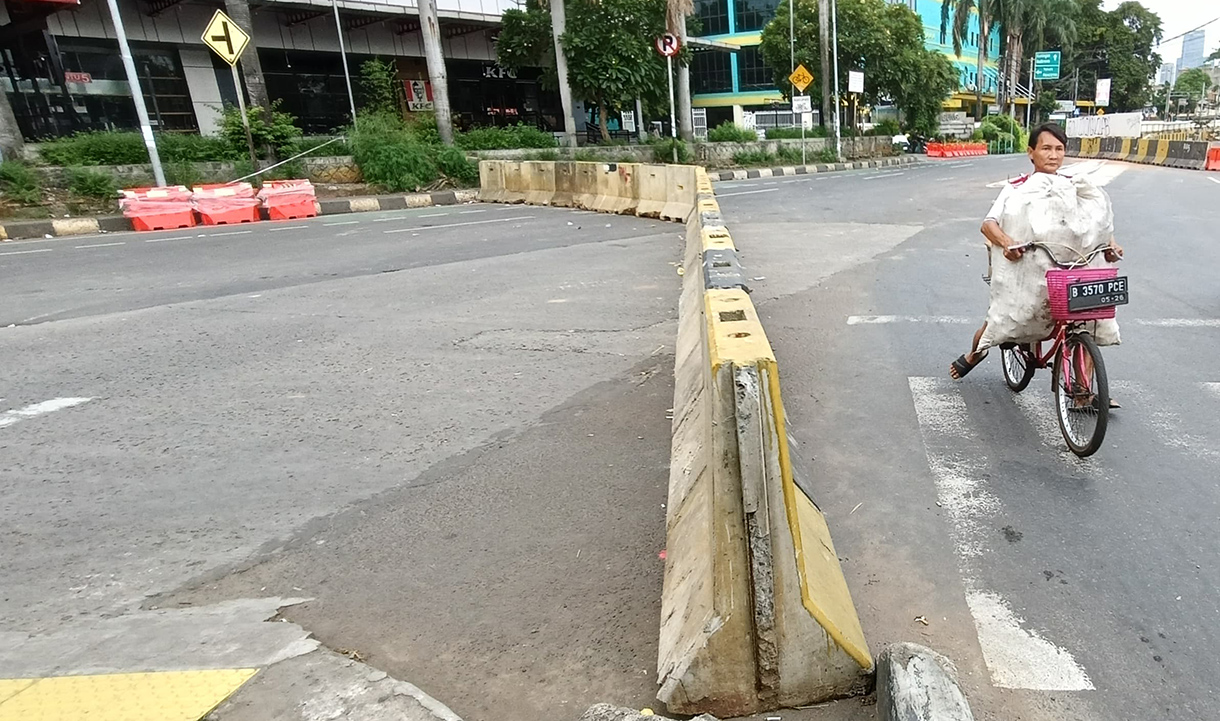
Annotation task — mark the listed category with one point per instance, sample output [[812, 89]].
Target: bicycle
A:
[[1077, 294]]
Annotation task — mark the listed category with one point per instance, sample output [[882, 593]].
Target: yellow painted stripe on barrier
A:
[[738, 336], [158, 696], [708, 205], [716, 239], [818, 564], [1124, 152], [1162, 152]]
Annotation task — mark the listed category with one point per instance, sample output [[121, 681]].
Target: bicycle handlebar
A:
[[1085, 259]]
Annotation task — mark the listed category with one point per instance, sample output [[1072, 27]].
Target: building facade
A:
[[1192, 50], [730, 83], [63, 72]]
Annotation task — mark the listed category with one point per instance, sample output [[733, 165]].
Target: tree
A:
[[1191, 85], [1215, 55], [251, 68], [1120, 45], [609, 48], [379, 86], [883, 40], [955, 15], [11, 141], [1030, 26]]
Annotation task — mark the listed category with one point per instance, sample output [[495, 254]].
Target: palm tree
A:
[[1036, 24], [955, 16], [676, 12]]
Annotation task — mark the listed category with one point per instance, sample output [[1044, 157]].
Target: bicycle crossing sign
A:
[[800, 78], [225, 38]]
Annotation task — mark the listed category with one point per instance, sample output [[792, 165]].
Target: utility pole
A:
[[686, 123], [430, 28], [559, 25], [11, 141], [347, 76], [137, 95], [834, 16], [251, 69], [824, 42]]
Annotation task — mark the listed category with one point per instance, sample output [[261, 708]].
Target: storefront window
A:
[[752, 72], [711, 72], [752, 15]]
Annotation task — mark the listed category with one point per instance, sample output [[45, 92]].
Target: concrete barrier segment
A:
[[914, 683]]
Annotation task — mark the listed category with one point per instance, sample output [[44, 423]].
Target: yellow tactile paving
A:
[[160, 696]]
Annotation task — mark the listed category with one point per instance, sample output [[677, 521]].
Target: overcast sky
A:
[[1178, 16]]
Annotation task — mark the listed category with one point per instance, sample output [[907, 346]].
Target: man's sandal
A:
[[963, 366]]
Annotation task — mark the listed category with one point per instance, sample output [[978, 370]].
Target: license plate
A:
[[1097, 294]]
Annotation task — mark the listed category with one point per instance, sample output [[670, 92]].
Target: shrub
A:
[[731, 133], [91, 184], [663, 151], [182, 173], [584, 155], [749, 158], [455, 166], [309, 143], [978, 135], [504, 138], [184, 148], [889, 127], [19, 183], [544, 155], [276, 130], [100, 148], [379, 85]]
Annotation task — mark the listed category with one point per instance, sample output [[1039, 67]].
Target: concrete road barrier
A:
[[1188, 154], [755, 611]]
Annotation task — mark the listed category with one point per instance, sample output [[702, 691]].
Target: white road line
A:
[[1179, 322], [943, 180], [1214, 180], [344, 222], [165, 240], [1015, 656], [1166, 425], [431, 215], [287, 227], [747, 192], [8, 418], [231, 232], [886, 175], [888, 319], [1039, 410], [101, 245], [471, 212], [459, 225], [1212, 388], [24, 252]]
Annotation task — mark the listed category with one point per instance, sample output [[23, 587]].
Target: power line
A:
[[1188, 32]]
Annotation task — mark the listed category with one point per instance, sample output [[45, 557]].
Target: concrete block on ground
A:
[[914, 683]]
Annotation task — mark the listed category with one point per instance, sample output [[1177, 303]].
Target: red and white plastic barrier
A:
[[286, 199], [158, 208], [956, 150], [226, 203]]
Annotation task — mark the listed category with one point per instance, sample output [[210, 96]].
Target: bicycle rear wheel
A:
[[1082, 394], [1018, 365]]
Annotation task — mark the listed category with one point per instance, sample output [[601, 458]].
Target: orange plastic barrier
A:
[[224, 204], [158, 208], [286, 199], [956, 150], [1213, 158]]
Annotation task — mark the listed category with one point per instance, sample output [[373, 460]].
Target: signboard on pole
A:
[[668, 45], [628, 120], [1118, 125], [225, 38], [802, 104], [855, 81], [1046, 65], [1102, 97], [800, 78], [419, 96]]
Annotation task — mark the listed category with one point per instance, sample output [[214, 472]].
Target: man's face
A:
[[1047, 153]]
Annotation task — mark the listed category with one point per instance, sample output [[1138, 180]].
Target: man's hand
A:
[[1013, 253], [1114, 252]]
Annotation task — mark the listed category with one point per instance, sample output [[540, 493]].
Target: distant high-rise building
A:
[[1192, 49], [1168, 74]]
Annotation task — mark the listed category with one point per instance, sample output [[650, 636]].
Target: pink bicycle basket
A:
[[1057, 282]]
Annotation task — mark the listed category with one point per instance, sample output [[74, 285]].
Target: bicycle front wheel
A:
[[1082, 394], [1018, 365]]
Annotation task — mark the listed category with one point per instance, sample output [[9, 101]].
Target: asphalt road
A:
[[1064, 589], [448, 427]]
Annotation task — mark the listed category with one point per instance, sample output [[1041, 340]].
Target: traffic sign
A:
[[1046, 65], [800, 78], [802, 104], [855, 81], [668, 45], [225, 38]]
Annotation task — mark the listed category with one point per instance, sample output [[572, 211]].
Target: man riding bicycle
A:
[[1047, 146]]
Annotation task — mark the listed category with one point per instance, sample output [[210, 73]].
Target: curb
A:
[[914, 683], [62, 227], [789, 170]]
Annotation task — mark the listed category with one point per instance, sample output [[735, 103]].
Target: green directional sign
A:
[[1046, 65]]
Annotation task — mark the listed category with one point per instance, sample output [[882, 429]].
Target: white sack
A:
[[1074, 217]]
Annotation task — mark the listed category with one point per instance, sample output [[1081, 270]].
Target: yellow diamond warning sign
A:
[[225, 38], [800, 78]]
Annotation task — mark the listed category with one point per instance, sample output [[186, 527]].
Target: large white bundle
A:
[[1072, 216]]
